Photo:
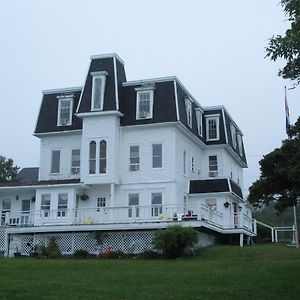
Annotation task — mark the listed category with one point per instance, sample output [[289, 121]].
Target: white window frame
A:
[[62, 207], [75, 169], [188, 108], [134, 166], [59, 162], [240, 143], [199, 117], [217, 119], [213, 169], [45, 208], [133, 209], [157, 156], [102, 76], [156, 209], [233, 135], [139, 91], [61, 99]]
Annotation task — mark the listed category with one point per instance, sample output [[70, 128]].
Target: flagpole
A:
[[287, 115]]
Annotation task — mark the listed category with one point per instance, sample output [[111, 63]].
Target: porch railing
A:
[[126, 214]]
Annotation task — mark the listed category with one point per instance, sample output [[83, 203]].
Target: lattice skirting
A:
[[126, 241], [2, 241]]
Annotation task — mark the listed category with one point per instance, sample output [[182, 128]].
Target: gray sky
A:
[[216, 48]]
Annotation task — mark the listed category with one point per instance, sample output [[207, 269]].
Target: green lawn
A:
[[221, 272]]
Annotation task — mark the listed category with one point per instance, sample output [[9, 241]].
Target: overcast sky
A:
[[216, 48]]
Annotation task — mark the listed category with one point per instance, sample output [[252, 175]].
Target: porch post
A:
[[241, 239], [248, 240], [112, 200], [276, 238], [272, 234]]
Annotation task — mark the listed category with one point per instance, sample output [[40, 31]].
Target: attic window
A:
[[99, 80], [233, 135], [212, 127], [199, 115], [188, 107], [240, 143], [65, 109], [144, 103]]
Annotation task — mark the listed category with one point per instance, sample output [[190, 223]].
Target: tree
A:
[[174, 240], [280, 174], [288, 46], [8, 171]]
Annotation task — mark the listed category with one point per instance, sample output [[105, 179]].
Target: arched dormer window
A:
[[92, 157], [102, 157]]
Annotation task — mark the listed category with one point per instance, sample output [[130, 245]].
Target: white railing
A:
[[126, 214]]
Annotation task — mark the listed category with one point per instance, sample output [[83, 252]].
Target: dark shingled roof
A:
[[214, 186], [28, 175], [47, 120]]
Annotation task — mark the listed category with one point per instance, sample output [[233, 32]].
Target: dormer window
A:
[[212, 128], [65, 109], [99, 80], [144, 103], [240, 143], [233, 135], [188, 108], [199, 121]]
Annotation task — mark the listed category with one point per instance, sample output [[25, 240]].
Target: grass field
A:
[[221, 272]]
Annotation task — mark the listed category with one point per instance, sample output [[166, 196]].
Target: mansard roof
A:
[[47, 119], [169, 104], [208, 186]]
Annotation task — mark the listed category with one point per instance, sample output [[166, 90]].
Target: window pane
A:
[[25, 206], [92, 158], [55, 161], [65, 112], [212, 129], [6, 204], [144, 105], [75, 168], [134, 159], [156, 198], [97, 93], [62, 201], [45, 201], [157, 156], [213, 166], [102, 165], [133, 199]]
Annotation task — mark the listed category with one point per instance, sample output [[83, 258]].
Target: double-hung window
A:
[[133, 202], [45, 205], [102, 157], [199, 115], [212, 128], [213, 166], [62, 205], [65, 109], [134, 158], [144, 103], [75, 164], [240, 143], [233, 135], [188, 108], [92, 157], [99, 80], [156, 155], [156, 203], [55, 161]]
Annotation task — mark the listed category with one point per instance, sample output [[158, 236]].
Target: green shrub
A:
[[80, 253], [109, 253], [174, 240], [51, 250]]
